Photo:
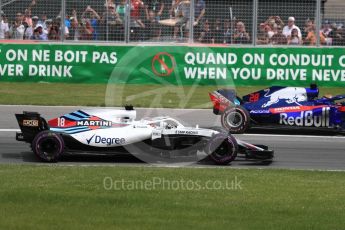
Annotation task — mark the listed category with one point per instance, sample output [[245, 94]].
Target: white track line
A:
[[9, 130], [45, 106]]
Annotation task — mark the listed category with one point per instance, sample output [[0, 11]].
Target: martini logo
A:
[[163, 64], [94, 123]]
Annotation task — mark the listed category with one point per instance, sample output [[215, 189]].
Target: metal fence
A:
[[227, 22]]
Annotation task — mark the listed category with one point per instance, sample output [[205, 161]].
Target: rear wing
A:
[[222, 99], [30, 124]]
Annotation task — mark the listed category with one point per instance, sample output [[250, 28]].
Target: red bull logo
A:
[[307, 119]]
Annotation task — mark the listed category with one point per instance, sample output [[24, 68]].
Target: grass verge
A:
[[95, 94], [61, 197]]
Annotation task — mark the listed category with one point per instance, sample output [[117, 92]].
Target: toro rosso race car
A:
[[116, 131], [279, 106]]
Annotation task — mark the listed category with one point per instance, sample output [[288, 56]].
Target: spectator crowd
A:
[[273, 31], [109, 23]]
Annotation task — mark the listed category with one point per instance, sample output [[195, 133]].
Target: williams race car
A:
[[116, 131], [279, 106]]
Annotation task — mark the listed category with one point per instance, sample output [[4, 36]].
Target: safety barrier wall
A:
[[176, 65]]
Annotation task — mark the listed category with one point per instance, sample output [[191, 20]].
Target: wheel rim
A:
[[234, 119], [49, 147], [222, 150]]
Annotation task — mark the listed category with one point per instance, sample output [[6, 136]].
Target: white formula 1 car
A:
[[114, 131]]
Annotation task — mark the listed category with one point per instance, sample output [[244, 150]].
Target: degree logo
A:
[[89, 140], [163, 64]]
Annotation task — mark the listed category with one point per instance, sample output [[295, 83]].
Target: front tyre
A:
[[48, 146], [222, 148], [236, 119]]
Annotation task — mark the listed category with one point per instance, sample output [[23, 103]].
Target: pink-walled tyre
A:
[[222, 148], [48, 146]]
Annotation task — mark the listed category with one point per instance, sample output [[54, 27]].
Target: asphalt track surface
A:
[[292, 150]]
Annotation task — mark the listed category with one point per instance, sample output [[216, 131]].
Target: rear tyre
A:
[[236, 119], [48, 146], [222, 148]]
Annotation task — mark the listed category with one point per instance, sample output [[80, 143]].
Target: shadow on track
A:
[[294, 131], [29, 157], [89, 158]]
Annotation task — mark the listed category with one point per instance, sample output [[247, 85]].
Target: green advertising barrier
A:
[[176, 65]]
